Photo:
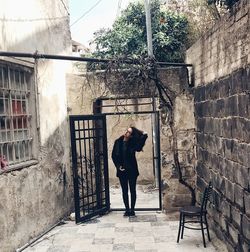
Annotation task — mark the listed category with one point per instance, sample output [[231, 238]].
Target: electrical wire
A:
[[84, 14]]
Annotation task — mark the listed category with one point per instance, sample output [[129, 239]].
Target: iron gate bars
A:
[[90, 165]]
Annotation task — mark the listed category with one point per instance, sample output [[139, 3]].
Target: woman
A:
[[123, 156]]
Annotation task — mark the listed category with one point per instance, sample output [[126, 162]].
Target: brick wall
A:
[[222, 112]]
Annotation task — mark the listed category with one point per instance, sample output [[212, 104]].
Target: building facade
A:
[[35, 177]]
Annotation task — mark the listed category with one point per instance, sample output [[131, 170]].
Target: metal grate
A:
[[15, 116], [90, 168]]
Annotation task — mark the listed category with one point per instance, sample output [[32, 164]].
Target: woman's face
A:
[[128, 133]]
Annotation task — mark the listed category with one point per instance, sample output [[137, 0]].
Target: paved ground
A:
[[147, 232]]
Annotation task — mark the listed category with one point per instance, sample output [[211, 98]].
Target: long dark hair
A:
[[136, 133]]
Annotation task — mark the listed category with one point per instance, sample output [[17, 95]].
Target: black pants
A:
[[131, 181]]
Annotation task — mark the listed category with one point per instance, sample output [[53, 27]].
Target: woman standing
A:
[[123, 156]]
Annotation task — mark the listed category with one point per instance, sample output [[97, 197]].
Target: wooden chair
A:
[[196, 215]]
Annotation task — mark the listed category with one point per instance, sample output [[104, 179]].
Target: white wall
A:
[[35, 197]]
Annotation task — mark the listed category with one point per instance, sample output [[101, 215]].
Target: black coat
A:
[[130, 164]]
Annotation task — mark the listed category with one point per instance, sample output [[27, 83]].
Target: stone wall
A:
[[222, 111], [82, 94], [35, 197]]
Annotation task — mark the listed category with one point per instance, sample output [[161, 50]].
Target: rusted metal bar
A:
[[83, 59]]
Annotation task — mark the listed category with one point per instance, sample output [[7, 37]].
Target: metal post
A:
[[148, 26], [151, 55]]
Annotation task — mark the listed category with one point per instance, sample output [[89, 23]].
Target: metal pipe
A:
[[84, 59]]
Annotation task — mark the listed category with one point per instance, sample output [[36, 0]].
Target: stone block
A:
[[230, 170], [243, 154], [233, 105], [236, 133], [217, 126], [236, 217], [236, 82], [218, 182], [229, 190], [199, 94], [246, 227], [200, 138], [233, 233], [226, 209], [203, 171], [243, 101], [208, 126], [216, 198], [208, 91], [219, 146], [226, 130], [213, 161], [240, 131], [220, 108], [207, 108], [198, 110], [227, 145], [200, 124], [245, 81], [244, 127], [214, 91], [224, 88], [223, 223], [238, 196], [242, 176], [222, 165], [247, 203], [235, 150]]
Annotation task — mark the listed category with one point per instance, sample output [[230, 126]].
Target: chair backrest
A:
[[206, 195]]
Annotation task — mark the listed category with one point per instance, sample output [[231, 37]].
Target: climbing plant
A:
[[133, 78]]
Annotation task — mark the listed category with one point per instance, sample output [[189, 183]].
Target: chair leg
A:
[[202, 231], [183, 223], [180, 225], [208, 235]]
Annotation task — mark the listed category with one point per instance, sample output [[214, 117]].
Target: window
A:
[[17, 113]]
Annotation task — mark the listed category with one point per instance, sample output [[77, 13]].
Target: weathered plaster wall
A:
[[34, 198], [81, 96], [175, 194], [222, 79]]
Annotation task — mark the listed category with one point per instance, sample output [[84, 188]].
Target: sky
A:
[[96, 14]]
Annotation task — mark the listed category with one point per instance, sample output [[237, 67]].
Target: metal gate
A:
[[90, 165]]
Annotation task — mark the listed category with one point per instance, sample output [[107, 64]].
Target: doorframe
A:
[[97, 109]]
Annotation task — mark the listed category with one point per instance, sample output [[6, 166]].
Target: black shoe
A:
[[132, 213], [127, 213]]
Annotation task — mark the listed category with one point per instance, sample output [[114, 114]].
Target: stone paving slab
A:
[[147, 232]]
